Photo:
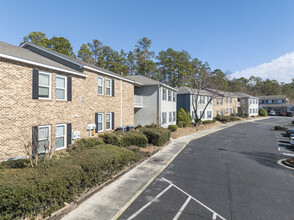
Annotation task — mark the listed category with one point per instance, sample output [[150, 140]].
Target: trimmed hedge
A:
[[134, 138], [110, 138], [208, 122], [262, 112], [88, 142], [225, 119], [172, 128], [29, 192], [183, 124], [280, 128], [157, 136], [184, 116]]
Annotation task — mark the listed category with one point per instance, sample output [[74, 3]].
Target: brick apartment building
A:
[[46, 96]]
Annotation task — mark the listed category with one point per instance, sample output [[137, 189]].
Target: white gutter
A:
[[41, 65], [121, 111], [111, 75]]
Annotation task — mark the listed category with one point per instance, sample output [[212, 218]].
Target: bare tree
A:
[[199, 79]]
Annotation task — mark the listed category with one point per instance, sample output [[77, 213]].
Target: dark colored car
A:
[[289, 114], [281, 114], [290, 131]]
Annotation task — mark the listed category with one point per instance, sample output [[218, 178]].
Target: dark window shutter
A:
[[68, 133], [35, 84], [113, 87], [96, 122], [69, 88], [35, 131], [112, 120]]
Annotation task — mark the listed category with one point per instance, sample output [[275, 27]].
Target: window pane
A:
[[60, 131], [44, 80], [100, 81], [107, 117], [99, 117], [60, 93], [43, 133], [60, 82], [99, 126], [59, 142], [42, 145], [108, 83], [107, 125], [99, 89], [107, 91], [44, 92]]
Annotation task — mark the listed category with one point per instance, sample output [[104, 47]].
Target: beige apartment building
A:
[[224, 103], [46, 96]]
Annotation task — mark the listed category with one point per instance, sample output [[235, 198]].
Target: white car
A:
[[272, 113], [291, 139]]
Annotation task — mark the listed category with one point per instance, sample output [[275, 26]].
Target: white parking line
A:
[[182, 208], [214, 213], [287, 154], [149, 203]]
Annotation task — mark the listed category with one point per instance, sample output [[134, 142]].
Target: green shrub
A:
[[111, 138], [208, 122], [280, 128], [28, 192], [138, 127], [157, 136], [182, 115], [183, 124], [153, 125], [15, 164], [172, 128], [225, 119], [232, 114], [134, 138], [88, 142], [262, 112]]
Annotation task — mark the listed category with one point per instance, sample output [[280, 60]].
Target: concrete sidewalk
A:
[[111, 201]]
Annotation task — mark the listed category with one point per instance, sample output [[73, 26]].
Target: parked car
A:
[[290, 131], [290, 114], [292, 139], [272, 113], [281, 114]]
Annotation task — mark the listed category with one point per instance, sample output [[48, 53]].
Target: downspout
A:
[[121, 103], [159, 105]]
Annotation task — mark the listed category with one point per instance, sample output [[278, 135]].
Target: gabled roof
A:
[[77, 62], [146, 81], [18, 54], [187, 90], [272, 97], [223, 93], [244, 95]]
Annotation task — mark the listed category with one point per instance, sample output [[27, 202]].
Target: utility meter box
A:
[[75, 135], [91, 127]]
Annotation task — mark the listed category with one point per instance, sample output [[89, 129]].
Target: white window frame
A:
[[102, 129], [50, 85], [174, 96], [65, 87], [65, 136], [174, 116], [209, 114], [170, 117], [169, 95], [110, 114], [227, 110], [163, 94], [110, 87], [102, 79], [202, 99], [49, 136]]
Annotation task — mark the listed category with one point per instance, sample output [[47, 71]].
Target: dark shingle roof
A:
[[272, 97], [187, 90], [75, 60], [223, 93], [21, 53], [145, 81], [244, 95]]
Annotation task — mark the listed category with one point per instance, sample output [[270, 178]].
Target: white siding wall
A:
[[167, 107], [253, 106], [201, 107]]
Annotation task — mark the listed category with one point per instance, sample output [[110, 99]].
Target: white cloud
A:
[[280, 69]]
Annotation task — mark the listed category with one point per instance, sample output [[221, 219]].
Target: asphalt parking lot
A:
[[230, 174]]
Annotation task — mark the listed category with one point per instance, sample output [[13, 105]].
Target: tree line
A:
[[168, 66]]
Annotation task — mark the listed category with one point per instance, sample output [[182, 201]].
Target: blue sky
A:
[[229, 34]]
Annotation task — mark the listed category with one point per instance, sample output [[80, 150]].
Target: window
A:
[[108, 87], [227, 99], [219, 101], [217, 112], [108, 121], [203, 114], [60, 136], [100, 85], [100, 122], [174, 96], [44, 85], [193, 115], [60, 87], [170, 117], [163, 117], [174, 116], [169, 95], [222, 113], [202, 99], [230, 99], [231, 110], [250, 101], [227, 111], [209, 114], [44, 138], [250, 111], [208, 99], [163, 94]]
